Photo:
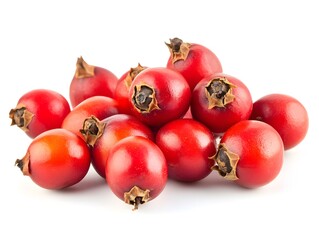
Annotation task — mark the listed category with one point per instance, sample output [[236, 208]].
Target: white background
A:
[[272, 46]]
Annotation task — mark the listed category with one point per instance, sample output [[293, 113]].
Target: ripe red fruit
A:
[[250, 153], [99, 106], [286, 114], [159, 95], [56, 159], [136, 170], [89, 81], [187, 146], [121, 94], [220, 101], [103, 135], [39, 110], [193, 61]]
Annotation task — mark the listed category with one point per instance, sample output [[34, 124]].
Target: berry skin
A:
[[286, 114], [250, 153], [39, 110]]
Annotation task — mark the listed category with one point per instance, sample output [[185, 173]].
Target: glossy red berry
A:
[[286, 114], [103, 135], [56, 159], [187, 146], [39, 110], [220, 101], [89, 81], [99, 106], [136, 170], [193, 61], [250, 153], [159, 95]]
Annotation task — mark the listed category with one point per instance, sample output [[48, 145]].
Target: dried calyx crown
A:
[[21, 117], [219, 92], [144, 98], [226, 162], [179, 50], [83, 70], [136, 196], [92, 130], [132, 74]]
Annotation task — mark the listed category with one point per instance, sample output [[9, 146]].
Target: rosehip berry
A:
[[99, 106], [56, 159], [136, 170], [193, 61], [103, 135], [187, 146], [39, 110], [220, 101], [89, 81], [159, 95], [250, 153], [286, 114]]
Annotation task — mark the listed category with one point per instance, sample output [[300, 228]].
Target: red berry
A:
[[187, 146], [103, 135], [89, 81], [286, 114], [193, 61], [136, 170], [39, 110], [159, 95], [56, 159], [220, 101], [99, 106], [250, 153]]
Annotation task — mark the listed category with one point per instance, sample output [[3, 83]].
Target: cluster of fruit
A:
[[182, 121]]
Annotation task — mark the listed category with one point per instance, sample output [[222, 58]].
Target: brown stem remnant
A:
[[92, 130], [136, 196], [226, 162], [179, 50], [21, 117], [132, 74], [144, 98], [23, 164], [219, 92], [83, 70]]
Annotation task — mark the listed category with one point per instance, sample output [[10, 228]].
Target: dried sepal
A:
[[23, 164], [132, 74], [136, 196], [179, 50], [21, 117], [92, 130], [226, 162], [219, 92], [83, 70], [144, 98]]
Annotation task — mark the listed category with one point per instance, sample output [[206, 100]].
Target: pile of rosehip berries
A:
[[182, 122]]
